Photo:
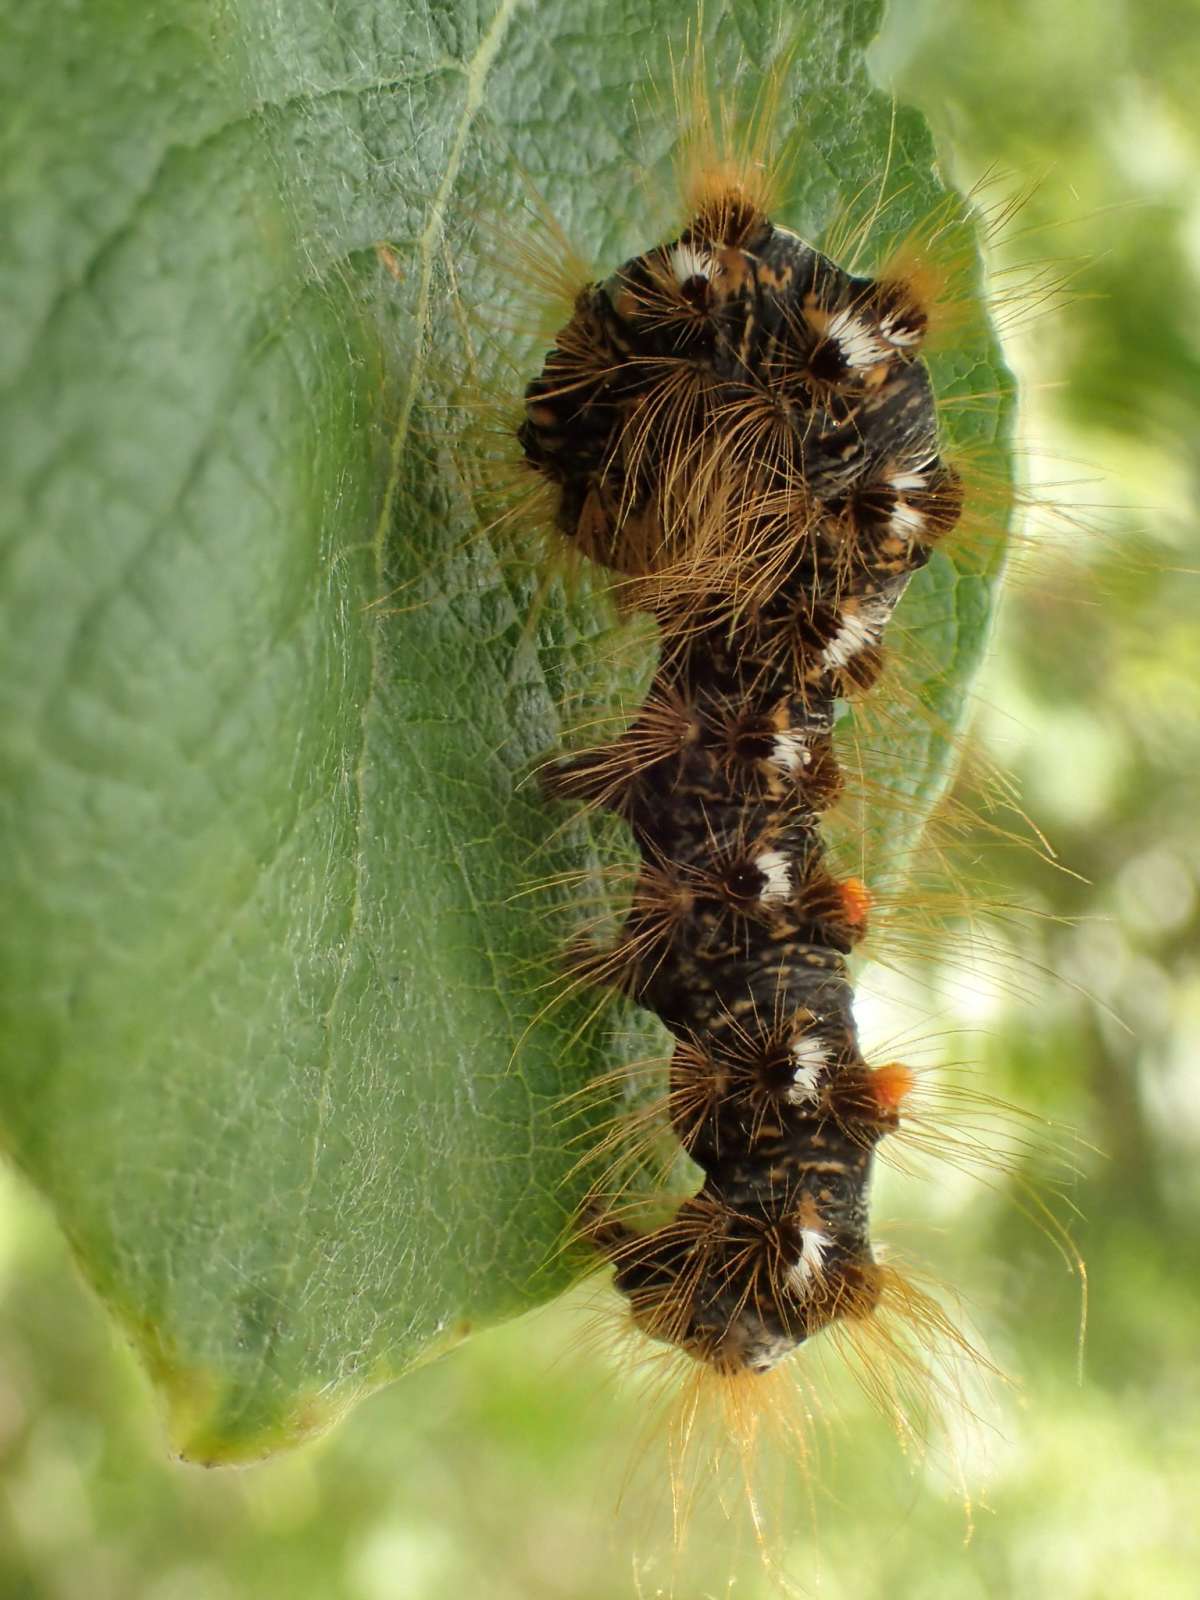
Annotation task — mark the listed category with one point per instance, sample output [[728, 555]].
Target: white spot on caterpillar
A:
[[900, 481], [892, 329], [905, 520], [811, 1057], [688, 262], [777, 876], [859, 628], [759, 1352], [813, 1245], [856, 632], [856, 339], [789, 752]]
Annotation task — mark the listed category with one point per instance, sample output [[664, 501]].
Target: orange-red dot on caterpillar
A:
[[856, 901], [891, 1084]]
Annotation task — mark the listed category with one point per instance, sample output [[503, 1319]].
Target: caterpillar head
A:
[[738, 1291]]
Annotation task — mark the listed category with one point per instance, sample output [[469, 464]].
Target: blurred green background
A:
[[496, 1472]]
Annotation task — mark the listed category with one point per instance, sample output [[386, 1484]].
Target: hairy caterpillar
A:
[[744, 434], [747, 433]]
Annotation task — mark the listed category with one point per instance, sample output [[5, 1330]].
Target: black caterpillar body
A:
[[745, 434]]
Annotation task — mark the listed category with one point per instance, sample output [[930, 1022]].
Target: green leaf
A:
[[275, 1041]]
